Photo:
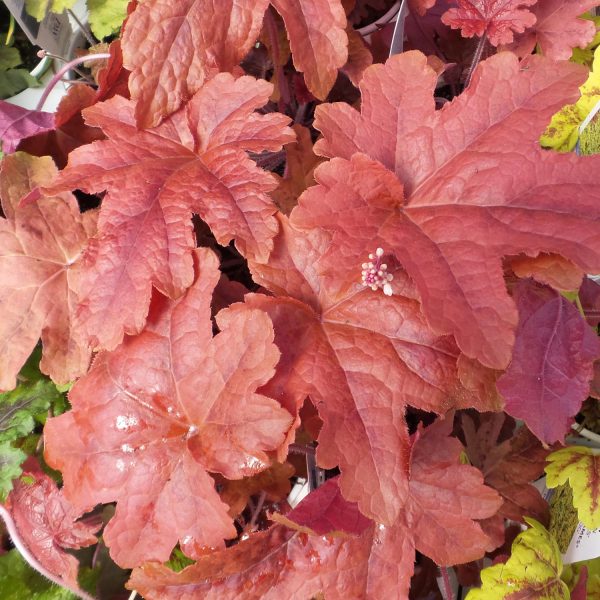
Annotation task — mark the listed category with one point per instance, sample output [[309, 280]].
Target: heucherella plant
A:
[[313, 245]]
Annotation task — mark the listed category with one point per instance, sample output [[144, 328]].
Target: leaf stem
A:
[[255, 513], [64, 69], [32, 561], [86, 32], [271, 27], [11, 30], [448, 592], [476, 58]]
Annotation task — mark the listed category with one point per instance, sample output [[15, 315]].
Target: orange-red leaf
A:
[[195, 161], [319, 43], [558, 28], [446, 499], [153, 417], [40, 249], [499, 20], [47, 524], [435, 192], [172, 48], [361, 356]]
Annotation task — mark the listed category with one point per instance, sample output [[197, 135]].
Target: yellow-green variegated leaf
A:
[[581, 468], [572, 573], [563, 131], [106, 16], [533, 570], [585, 56], [39, 8]]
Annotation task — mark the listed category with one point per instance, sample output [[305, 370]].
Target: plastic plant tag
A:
[[583, 543], [53, 33]]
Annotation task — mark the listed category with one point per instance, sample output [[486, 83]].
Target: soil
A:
[[589, 416]]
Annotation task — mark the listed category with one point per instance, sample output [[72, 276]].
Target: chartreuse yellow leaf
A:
[[584, 56], [563, 131], [533, 570], [106, 16], [581, 468], [39, 8]]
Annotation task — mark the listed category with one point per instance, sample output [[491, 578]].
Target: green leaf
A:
[[20, 409], [19, 581], [533, 570], [9, 57], [14, 81], [581, 468], [178, 560], [39, 8], [10, 467], [106, 16]]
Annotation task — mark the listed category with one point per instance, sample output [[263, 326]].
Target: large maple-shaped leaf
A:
[[362, 356], [558, 28], [449, 204], [151, 419], [439, 520], [581, 468], [532, 571], [172, 48], [47, 524], [552, 366], [18, 123], [40, 249], [193, 162], [509, 465], [499, 20]]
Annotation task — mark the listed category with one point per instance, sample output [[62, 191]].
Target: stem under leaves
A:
[[65, 69], [476, 58], [448, 591]]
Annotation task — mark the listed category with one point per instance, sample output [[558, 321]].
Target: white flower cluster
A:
[[375, 275]]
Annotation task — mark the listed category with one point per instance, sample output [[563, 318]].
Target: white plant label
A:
[[52, 34]]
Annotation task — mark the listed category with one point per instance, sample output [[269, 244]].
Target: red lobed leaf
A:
[[318, 40], [508, 465], [445, 498], [589, 295], [447, 204], [549, 269], [558, 28], [18, 123], [194, 162], [47, 524], [362, 357], [173, 48], [70, 131], [40, 256], [548, 378], [327, 511], [153, 417], [499, 20]]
